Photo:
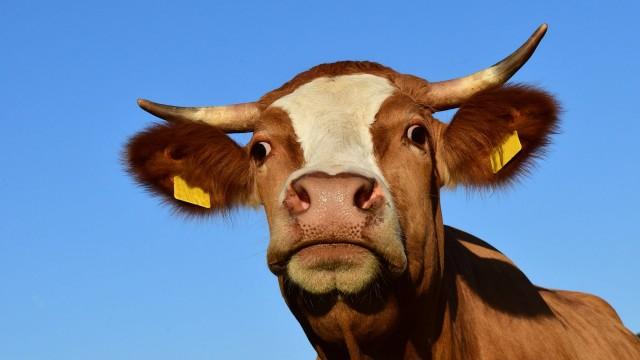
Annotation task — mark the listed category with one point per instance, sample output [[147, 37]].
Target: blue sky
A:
[[91, 267]]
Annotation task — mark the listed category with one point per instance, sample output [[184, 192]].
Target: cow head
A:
[[348, 161]]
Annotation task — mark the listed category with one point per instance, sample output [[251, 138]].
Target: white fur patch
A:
[[331, 117]]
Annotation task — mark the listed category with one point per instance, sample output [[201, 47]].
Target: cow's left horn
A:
[[230, 118], [450, 94]]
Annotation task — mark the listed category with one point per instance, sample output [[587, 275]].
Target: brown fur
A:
[[459, 298], [204, 156], [481, 125], [495, 312]]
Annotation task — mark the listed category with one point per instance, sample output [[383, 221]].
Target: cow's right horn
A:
[[230, 118]]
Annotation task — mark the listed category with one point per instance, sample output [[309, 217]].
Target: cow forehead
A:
[[331, 117]]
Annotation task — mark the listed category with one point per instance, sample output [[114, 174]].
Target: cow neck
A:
[[427, 310], [410, 324]]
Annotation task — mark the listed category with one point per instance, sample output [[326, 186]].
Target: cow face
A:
[[348, 161], [348, 169], [333, 221]]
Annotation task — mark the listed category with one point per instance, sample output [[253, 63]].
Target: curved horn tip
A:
[[543, 27], [541, 30], [144, 103], [141, 102], [153, 108], [165, 112]]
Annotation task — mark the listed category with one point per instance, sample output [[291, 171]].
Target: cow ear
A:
[[201, 158], [513, 120]]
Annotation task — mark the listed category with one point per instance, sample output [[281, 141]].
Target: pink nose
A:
[[338, 194]]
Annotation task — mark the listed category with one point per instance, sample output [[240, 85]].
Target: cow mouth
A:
[[345, 266], [326, 267], [326, 253], [330, 255]]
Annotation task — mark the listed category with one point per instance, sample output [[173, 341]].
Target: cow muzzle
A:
[[314, 199], [346, 233]]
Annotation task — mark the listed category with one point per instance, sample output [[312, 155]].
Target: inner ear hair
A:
[[484, 122]]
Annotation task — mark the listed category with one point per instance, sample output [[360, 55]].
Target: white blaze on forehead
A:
[[331, 117]]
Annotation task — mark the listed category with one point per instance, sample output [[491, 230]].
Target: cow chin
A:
[[329, 268]]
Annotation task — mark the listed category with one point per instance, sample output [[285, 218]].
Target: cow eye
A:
[[417, 134], [260, 150]]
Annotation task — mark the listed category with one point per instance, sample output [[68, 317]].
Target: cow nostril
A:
[[302, 194], [363, 195], [297, 200], [332, 192]]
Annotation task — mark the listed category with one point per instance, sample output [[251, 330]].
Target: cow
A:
[[348, 161]]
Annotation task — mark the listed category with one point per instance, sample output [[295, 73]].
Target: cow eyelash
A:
[[260, 150], [417, 134]]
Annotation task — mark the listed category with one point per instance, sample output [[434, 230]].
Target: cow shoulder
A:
[[595, 327], [510, 316], [491, 276]]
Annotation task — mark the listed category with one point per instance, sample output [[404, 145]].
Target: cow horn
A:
[[230, 118], [444, 95]]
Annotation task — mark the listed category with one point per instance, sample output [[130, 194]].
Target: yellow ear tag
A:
[[193, 195], [505, 152]]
